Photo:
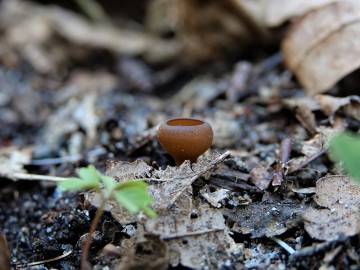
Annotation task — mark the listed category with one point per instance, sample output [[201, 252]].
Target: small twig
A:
[[32, 177], [308, 161], [318, 248], [279, 168], [72, 158], [167, 237], [192, 179], [215, 181], [285, 150], [148, 180], [50, 260], [283, 245]]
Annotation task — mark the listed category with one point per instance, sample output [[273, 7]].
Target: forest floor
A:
[[265, 196]]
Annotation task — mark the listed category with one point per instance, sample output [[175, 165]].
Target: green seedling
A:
[[345, 148], [132, 195]]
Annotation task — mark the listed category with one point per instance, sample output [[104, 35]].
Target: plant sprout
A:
[[132, 195]]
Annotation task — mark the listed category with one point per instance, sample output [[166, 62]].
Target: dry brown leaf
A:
[[324, 224], [212, 28], [182, 228], [332, 46], [338, 192], [341, 197], [209, 29], [260, 177], [330, 105]]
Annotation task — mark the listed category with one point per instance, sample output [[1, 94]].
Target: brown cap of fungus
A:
[[185, 138]]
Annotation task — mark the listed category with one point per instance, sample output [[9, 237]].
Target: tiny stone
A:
[[298, 239], [111, 251]]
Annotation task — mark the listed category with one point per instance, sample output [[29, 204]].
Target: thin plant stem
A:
[[94, 223]]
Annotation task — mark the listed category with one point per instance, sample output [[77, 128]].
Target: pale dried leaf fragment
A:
[[341, 197], [215, 198], [124, 170], [280, 11], [13, 159], [332, 46], [313, 146]]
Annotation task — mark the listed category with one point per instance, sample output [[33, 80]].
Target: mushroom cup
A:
[[185, 138]]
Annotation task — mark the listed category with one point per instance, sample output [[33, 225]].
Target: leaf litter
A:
[[219, 213], [181, 220]]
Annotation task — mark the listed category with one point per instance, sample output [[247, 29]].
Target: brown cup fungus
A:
[[185, 138]]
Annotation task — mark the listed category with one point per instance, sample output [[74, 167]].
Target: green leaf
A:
[[89, 179], [131, 194], [108, 182], [134, 197], [345, 148], [89, 174], [76, 184]]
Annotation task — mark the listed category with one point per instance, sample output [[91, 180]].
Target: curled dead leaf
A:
[[332, 46], [349, 106]]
